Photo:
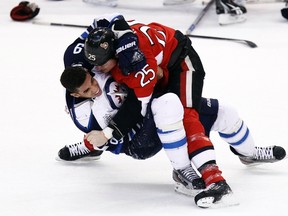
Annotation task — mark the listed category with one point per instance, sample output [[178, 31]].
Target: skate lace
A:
[[264, 153], [78, 149], [189, 173]]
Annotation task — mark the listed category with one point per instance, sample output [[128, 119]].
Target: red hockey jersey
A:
[[157, 42]]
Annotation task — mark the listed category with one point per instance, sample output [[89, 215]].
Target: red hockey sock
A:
[[196, 139], [211, 174], [198, 144]]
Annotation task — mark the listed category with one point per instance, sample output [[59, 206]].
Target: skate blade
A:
[[227, 200], [181, 189], [81, 160], [255, 163], [227, 19]]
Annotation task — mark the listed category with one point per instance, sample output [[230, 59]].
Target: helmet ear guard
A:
[[99, 46]]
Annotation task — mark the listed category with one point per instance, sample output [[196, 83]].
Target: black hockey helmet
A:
[[99, 46]]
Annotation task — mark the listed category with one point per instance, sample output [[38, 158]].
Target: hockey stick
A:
[[249, 43], [59, 24], [197, 20], [199, 17]]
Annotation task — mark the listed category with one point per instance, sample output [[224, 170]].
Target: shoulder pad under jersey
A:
[[74, 55]]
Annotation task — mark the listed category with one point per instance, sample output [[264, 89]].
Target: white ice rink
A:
[[34, 125]]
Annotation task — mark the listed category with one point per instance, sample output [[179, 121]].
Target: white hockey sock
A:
[[233, 130], [175, 145], [241, 140], [168, 115]]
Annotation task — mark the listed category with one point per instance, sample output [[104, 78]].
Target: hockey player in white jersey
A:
[[103, 97], [93, 110]]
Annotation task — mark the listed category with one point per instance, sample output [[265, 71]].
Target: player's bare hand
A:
[[96, 138]]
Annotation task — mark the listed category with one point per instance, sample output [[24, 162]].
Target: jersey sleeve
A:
[[74, 55], [105, 20]]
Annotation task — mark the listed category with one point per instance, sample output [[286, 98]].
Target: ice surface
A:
[[34, 125]]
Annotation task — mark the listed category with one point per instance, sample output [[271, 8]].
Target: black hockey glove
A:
[[130, 57], [24, 11], [127, 116]]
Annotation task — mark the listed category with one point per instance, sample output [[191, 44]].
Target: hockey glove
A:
[[130, 57], [24, 11]]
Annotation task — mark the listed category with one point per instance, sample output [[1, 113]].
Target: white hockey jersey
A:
[[103, 107], [94, 114]]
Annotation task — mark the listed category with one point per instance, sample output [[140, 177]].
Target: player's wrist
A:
[[108, 132]]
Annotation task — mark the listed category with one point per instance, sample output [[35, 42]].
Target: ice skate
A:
[[216, 195], [187, 181], [269, 154], [77, 152], [230, 12]]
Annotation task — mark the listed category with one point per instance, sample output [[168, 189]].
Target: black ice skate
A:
[[216, 195], [269, 154], [230, 12], [187, 181], [78, 152]]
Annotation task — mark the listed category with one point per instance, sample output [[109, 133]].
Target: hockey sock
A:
[[233, 130], [200, 148], [241, 140], [168, 114], [211, 173], [175, 145]]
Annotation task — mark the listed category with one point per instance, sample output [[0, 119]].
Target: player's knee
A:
[[167, 110], [228, 119]]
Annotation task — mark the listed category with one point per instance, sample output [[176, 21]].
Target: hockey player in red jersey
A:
[[143, 79], [183, 75]]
